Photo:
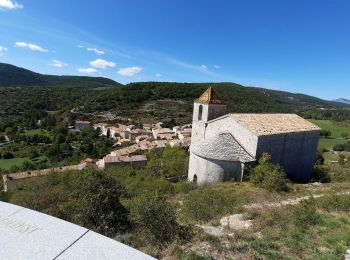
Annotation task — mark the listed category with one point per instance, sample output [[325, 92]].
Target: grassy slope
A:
[[7, 164], [336, 129]]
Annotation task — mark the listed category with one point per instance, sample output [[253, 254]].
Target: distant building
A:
[[222, 143]]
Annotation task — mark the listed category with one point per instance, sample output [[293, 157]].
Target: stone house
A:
[[222, 143]]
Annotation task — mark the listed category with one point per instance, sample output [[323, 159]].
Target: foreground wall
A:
[[295, 152], [202, 170]]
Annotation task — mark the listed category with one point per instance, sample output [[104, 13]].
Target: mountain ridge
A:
[[14, 76], [342, 100]]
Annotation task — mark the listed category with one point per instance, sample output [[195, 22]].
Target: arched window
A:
[[200, 112]]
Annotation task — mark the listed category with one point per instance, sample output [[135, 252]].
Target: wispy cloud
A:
[[87, 70], [95, 50], [201, 68], [204, 67], [10, 5], [158, 75], [30, 46], [2, 50], [58, 64], [129, 71], [216, 67], [102, 64]]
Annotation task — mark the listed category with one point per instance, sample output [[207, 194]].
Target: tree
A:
[[154, 215], [326, 133], [7, 155], [97, 203]]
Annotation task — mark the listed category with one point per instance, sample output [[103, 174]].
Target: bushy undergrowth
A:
[[155, 218], [268, 175], [207, 203], [334, 203]]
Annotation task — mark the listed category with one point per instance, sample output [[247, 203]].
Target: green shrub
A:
[[96, 203], [306, 213], [206, 204], [184, 187], [268, 175], [320, 174], [152, 214]]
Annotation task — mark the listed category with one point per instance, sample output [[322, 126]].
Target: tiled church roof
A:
[[222, 147], [269, 124]]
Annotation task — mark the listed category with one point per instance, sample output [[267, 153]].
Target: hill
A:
[[22, 90], [11, 76], [343, 100]]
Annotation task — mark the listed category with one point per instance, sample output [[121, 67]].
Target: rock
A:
[[211, 230], [347, 255], [236, 222]]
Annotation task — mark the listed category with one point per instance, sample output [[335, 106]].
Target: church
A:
[[223, 143]]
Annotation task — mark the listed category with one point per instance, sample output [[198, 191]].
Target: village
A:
[[131, 145]]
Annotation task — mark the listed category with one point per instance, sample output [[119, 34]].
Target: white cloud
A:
[[102, 64], [2, 50], [129, 71], [95, 50], [58, 64], [216, 67], [204, 67], [30, 46], [87, 71], [10, 5], [158, 75]]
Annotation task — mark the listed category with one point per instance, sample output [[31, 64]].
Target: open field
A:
[[328, 143], [336, 128], [38, 132], [8, 163]]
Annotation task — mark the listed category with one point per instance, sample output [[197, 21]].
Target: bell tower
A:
[[207, 107]]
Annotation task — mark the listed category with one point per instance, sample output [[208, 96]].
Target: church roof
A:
[[269, 124], [209, 97], [222, 146]]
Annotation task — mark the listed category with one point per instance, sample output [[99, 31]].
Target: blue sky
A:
[[293, 45]]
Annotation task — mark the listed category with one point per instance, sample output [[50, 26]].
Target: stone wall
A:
[[295, 152], [211, 171]]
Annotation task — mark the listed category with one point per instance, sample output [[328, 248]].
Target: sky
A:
[[300, 46]]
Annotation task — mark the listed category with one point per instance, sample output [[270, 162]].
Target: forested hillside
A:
[[145, 101], [14, 76]]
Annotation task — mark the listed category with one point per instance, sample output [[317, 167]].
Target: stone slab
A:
[[95, 246], [28, 234]]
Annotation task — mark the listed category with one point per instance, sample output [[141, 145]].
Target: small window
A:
[[200, 112], [195, 179]]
